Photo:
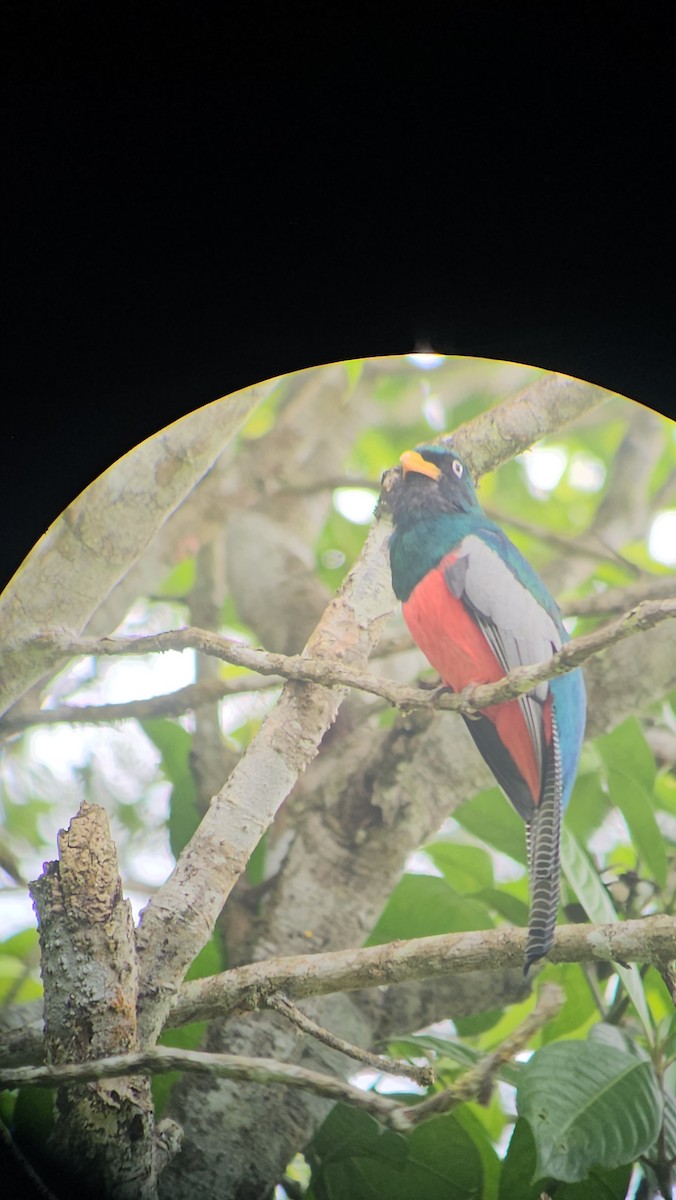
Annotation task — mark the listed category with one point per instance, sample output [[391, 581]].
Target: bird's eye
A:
[[457, 467]]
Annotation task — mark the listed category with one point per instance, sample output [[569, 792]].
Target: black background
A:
[[200, 198]]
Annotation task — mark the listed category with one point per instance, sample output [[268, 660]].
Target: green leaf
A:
[[255, 868], [588, 806], [468, 869], [181, 579], [519, 1166], [631, 772], [490, 1163], [636, 806], [24, 944], [353, 1158], [490, 816], [579, 1007], [503, 902], [209, 961], [173, 743], [443, 1047], [478, 1022], [33, 1118], [423, 905], [188, 1037], [588, 1105], [594, 897], [353, 369]]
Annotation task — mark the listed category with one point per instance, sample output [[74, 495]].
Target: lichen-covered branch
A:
[[652, 939], [179, 919], [328, 673], [104, 1133], [161, 1059], [253, 986]]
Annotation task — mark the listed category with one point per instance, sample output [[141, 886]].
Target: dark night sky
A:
[[197, 202]]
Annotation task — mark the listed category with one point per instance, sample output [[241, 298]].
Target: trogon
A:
[[476, 608]]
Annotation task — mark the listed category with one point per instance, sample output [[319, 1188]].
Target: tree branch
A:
[[329, 673], [250, 987], [652, 939], [171, 704], [476, 1083], [269, 1071], [620, 599], [162, 1059], [389, 1066], [180, 917]]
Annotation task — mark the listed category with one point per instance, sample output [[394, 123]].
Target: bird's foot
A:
[[430, 685], [470, 713]]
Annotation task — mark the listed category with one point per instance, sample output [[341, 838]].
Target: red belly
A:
[[455, 646]]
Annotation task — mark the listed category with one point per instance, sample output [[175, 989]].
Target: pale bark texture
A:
[[104, 1136]]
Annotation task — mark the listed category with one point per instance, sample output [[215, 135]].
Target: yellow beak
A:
[[412, 461]]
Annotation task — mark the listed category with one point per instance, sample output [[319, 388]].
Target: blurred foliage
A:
[[619, 846]]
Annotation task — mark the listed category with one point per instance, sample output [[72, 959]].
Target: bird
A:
[[476, 608]]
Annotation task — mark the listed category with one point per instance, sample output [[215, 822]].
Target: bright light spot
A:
[[141, 678], [662, 538], [587, 474], [418, 863], [356, 504], [426, 362], [434, 413], [544, 467], [17, 912], [369, 1081], [152, 867], [332, 559]]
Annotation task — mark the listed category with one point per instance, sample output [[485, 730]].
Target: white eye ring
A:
[[457, 467]]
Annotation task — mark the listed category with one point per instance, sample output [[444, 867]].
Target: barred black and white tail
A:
[[544, 868]]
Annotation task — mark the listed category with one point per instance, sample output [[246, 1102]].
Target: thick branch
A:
[[546, 406], [96, 539], [652, 939], [90, 976], [180, 917], [328, 673], [250, 987]]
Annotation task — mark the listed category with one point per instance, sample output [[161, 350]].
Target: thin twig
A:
[[477, 1082], [171, 704], [389, 1066], [621, 599], [230, 1066]]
